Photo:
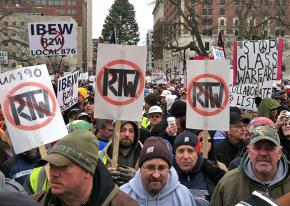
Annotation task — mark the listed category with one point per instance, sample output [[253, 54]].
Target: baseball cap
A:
[[185, 138], [80, 147], [235, 118], [155, 109], [84, 116], [265, 133], [165, 93]]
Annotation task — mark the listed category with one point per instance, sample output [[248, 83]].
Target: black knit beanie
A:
[[185, 138]]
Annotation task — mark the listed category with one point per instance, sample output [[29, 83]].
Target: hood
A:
[[170, 99], [265, 106], [282, 169], [104, 189], [196, 169], [137, 186]]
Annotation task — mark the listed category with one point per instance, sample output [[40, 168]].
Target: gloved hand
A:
[[122, 174], [126, 173], [114, 173]]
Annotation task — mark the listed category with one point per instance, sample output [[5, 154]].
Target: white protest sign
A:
[[52, 38], [208, 95], [256, 65], [218, 53], [3, 57], [120, 81], [158, 78], [67, 91], [30, 108]]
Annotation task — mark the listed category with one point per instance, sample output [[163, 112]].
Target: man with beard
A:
[[264, 168], [129, 150]]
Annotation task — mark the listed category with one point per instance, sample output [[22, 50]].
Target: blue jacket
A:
[[173, 192]]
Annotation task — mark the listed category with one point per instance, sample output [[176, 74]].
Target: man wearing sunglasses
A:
[[155, 116], [156, 182]]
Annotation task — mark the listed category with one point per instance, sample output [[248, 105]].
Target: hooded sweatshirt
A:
[[173, 193], [133, 155]]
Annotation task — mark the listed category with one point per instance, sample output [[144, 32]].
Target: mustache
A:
[[263, 159]]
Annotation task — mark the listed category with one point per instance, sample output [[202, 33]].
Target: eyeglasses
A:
[[152, 169], [156, 116]]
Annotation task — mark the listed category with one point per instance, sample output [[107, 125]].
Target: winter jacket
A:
[[238, 184], [199, 180], [19, 167], [225, 151], [105, 192], [173, 193], [131, 159], [8, 185]]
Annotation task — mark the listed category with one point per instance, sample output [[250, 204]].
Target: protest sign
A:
[[218, 53], [120, 81], [158, 78], [52, 38], [3, 57], [256, 65], [67, 91], [208, 95], [30, 108]]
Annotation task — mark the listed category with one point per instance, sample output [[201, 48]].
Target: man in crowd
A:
[[76, 175], [264, 167], [227, 149], [155, 116], [193, 170], [129, 151], [104, 132], [156, 182]]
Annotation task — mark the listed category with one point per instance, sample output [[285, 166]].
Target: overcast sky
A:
[[143, 11]]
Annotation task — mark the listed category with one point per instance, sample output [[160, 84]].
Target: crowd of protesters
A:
[[159, 163]]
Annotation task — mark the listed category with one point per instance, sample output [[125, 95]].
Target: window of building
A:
[[73, 3], [50, 3], [14, 23], [61, 11], [68, 11], [56, 3], [236, 33], [237, 2], [265, 2], [73, 11], [222, 11], [206, 45], [38, 2], [43, 2], [222, 22], [222, 2], [61, 3], [69, 3], [207, 2], [6, 23], [22, 23]]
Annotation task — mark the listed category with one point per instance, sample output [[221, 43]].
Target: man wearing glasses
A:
[[263, 168], [156, 182]]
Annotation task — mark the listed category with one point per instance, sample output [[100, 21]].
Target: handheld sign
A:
[[208, 95], [67, 91], [52, 38], [30, 108], [218, 53], [256, 65], [120, 81], [3, 57]]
